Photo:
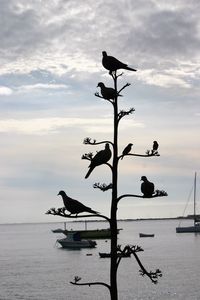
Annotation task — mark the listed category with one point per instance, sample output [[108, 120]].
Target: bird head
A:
[[61, 193], [104, 53], [100, 84], [107, 146], [130, 144], [143, 178]]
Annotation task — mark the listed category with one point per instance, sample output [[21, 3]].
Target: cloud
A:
[[43, 126], [5, 91]]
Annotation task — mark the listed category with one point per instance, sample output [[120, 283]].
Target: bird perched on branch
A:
[[112, 64], [107, 92], [155, 146], [126, 150], [100, 158], [147, 187], [74, 206]]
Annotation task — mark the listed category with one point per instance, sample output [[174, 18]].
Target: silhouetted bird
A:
[[126, 150], [147, 187], [107, 92], [74, 206], [112, 64], [100, 158], [155, 146]]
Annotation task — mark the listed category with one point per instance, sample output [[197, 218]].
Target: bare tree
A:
[[111, 95]]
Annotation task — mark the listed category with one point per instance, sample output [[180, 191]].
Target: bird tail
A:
[[130, 69], [89, 172]]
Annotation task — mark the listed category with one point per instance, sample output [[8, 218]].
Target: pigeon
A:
[[74, 206], [155, 146], [126, 150], [100, 158], [147, 187], [107, 92], [112, 64]]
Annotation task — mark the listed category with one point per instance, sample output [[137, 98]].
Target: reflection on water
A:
[[33, 267]]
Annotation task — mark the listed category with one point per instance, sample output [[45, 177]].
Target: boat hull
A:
[[146, 235], [65, 243], [188, 229], [92, 234]]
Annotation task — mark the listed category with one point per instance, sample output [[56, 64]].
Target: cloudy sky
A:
[[50, 64]]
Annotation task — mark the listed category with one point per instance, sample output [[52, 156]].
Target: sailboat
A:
[[196, 225]]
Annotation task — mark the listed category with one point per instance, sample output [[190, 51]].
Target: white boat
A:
[[73, 241], [196, 225]]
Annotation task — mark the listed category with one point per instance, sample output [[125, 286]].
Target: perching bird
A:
[[107, 92], [126, 150], [112, 64], [74, 206], [100, 158], [147, 187], [155, 146]]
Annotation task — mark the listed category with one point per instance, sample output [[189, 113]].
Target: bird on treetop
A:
[[155, 146], [74, 206], [112, 64], [126, 150], [100, 158], [107, 92], [147, 187]]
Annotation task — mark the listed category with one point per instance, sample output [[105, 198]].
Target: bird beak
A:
[[58, 194]]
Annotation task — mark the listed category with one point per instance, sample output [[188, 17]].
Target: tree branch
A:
[[123, 113], [87, 141], [158, 193], [97, 95], [148, 154], [61, 212], [103, 187], [76, 279], [128, 84]]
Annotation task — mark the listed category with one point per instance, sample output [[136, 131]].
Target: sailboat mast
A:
[[195, 180]]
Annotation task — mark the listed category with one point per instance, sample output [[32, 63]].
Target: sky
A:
[[50, 65]]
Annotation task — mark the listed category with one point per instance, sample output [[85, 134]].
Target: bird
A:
[[74, 206], [107, 92], [126, 150], [100, 158], [147, 187], [155, 146], [112, 64]]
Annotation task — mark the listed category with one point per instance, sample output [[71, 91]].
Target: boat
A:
[[73, 241], [105, 255], [196, 220], [88, 233], [146, 234]]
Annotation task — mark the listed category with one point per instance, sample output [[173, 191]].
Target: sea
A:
[[34, 267]]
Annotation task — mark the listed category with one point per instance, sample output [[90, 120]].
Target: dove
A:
[[107, 92], [100, 158], [112, 64], [147, 187], [74, 206]]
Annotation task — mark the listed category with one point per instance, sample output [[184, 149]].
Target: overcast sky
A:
[[50, 64]]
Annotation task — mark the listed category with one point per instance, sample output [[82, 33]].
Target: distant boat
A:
[[105, 255], [73, 241], [146, 234], [196, 225], [88, 234]]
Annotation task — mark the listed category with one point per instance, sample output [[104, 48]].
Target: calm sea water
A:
[[33, 267]]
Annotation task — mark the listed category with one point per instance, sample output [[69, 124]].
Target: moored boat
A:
[[73, 241], [146, 234], [196, 220]]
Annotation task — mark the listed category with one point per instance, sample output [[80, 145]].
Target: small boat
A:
[[196, 225], [146, 234], [73, 241], [88, 233], [104, 255]]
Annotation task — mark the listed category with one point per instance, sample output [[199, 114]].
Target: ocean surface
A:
[[34, 267]]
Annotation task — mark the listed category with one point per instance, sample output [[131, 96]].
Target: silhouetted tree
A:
[[102, 157]]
